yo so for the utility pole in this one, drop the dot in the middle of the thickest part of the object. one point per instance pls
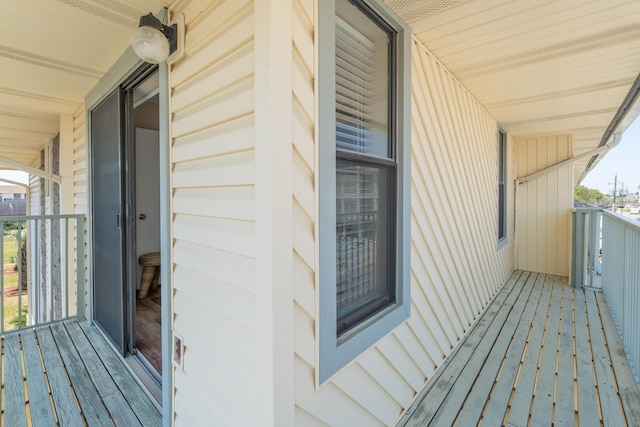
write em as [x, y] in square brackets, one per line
[615, 185]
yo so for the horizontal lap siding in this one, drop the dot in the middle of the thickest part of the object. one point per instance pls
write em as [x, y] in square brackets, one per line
[455, 266]
[80, 161]
[544, 205]
[80, 183]
[213, 202]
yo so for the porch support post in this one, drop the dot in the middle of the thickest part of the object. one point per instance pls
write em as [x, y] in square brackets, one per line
[274, 212]
[66, 164]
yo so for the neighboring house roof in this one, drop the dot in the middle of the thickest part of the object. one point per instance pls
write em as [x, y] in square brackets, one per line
[539, 67]
[12, 189]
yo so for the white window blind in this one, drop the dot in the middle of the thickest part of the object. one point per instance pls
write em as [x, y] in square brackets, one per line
[360, 90]
[362, 178]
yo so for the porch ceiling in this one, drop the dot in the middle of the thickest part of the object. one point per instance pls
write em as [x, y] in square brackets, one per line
[52, 52]
[538, 66]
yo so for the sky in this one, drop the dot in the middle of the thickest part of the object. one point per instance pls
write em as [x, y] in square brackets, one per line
[17, 176]
[623, 160]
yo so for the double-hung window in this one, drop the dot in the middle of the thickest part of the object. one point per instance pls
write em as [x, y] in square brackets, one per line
[363, 177]
[502, 188]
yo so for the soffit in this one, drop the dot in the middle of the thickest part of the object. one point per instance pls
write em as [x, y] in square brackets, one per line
[539, 67]
[52, 52]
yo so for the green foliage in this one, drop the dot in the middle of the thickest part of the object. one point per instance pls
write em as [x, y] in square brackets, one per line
[590, 195]
[13, 322]
[9, 227]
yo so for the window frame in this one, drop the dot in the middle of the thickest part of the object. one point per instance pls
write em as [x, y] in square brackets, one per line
[502, 223]
[336, 351]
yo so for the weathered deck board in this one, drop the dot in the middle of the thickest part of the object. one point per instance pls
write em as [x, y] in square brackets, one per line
[587, 411]
[555, 359]
[624, 376]
[73, 378]
[90, 403]
[565, 413]
[496, 407]
[471, 412]
[445, 378]
[116, 404]
[133, 393]
[542, 411]
[39, 399]
[15, 413]
[64, 399]
[523, 389]
[610, 404]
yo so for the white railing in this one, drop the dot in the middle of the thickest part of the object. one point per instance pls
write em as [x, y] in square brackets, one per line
[586, 266]
[43, 279]
[621, 280]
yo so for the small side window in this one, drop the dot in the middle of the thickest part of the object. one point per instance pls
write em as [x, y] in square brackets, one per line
[502, 188]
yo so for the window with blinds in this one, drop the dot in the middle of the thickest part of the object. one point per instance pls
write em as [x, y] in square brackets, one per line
[365, 165]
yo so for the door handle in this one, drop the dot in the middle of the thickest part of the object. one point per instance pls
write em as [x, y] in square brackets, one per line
[142, 216]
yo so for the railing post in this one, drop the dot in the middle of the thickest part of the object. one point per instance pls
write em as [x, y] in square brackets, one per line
[593, 245]
[80, 291]
[576, 275]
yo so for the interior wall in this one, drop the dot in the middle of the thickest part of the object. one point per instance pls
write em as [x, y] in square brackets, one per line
[543, 210]
[146, 115]
[147, 189]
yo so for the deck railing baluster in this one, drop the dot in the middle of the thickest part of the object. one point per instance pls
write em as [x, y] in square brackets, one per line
[621, 281]
[50, 255]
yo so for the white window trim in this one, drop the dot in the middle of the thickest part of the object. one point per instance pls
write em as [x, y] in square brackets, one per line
[336, 353]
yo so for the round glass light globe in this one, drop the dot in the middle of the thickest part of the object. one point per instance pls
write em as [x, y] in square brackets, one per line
[150, 45]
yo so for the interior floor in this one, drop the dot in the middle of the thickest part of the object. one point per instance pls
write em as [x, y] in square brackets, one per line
[148, 328]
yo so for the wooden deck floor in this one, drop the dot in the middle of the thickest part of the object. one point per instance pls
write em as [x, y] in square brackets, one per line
[543, 354]
[66, 375]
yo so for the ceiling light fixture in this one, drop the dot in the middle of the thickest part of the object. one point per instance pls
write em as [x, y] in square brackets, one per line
[155, 42]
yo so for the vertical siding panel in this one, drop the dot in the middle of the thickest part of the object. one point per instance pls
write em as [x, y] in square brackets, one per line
[551, 226]
[544, 204]
[212, 130]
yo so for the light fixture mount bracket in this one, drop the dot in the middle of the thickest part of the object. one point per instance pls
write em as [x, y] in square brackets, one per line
[169, 31]
[174, 34]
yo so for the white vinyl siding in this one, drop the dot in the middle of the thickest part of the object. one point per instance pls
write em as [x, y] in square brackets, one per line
[79, 161]
[80, 183]
[455, 268]
[544, 240]
[34, 205]
[304, 206]
[212, 130]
